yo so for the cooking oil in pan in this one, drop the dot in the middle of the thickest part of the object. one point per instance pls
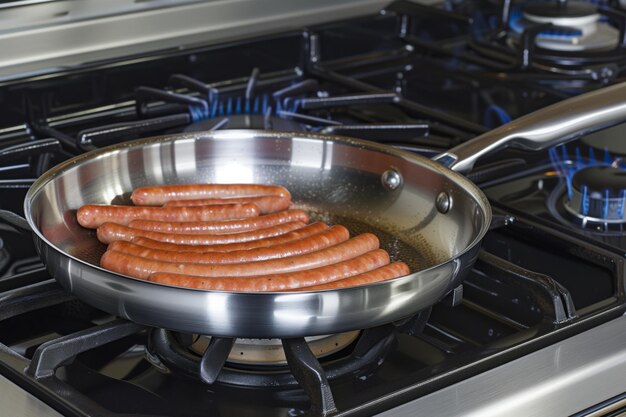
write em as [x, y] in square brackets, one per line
[418, 254]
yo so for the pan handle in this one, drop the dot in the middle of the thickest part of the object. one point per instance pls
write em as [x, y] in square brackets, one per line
[15, 220]
[550, 126]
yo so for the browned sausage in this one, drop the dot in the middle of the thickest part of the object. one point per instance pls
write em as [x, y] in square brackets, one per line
[384, 273]
[93, 215]
[142, 268]
[219, 227]
[279, 282]
[266, 204]
[158, 195]
[110, 232]
[259, 243]
[329, 237]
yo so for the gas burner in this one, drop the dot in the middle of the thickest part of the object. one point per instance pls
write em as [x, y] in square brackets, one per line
[594, 194]
[270, 351]
[350, 353]
[598, 194]
[309, 363]
[575, 26]
[570, 42]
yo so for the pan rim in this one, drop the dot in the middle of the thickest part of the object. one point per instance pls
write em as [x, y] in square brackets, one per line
[58, 170]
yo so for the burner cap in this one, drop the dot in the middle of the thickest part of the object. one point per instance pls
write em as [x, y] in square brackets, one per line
[608, 140]
[560, 9]
[598, 179]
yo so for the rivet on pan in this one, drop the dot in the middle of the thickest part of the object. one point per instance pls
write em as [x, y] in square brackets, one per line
[443, 202]
[391, 179]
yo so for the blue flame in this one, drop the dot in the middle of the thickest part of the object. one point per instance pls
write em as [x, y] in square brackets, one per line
[214, 105]
[226, 106]
[569, 166]
[198, 113]
[585, 200]
[289, 104]
[494, 112]
[561, 163]
[229, 106]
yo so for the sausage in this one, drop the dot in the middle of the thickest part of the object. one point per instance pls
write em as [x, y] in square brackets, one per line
[158, 195]
[142, 268]
[259, 243]
[266, 204]
[226, 226]
[93, 215]
[327, 238]
[110, 232]
[384, 273]
[279, 282]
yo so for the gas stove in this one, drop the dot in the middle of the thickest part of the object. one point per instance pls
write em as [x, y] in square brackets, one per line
[537, 328]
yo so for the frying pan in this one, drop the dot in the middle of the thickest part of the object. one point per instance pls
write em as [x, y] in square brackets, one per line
[424, 213]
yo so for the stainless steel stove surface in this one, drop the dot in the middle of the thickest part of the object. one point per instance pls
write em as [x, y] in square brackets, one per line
[537, 329]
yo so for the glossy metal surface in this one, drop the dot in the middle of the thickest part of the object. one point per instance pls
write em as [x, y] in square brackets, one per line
[336, 179]
[69, 33]
[559, 380]
[547, 127]
[18, 402]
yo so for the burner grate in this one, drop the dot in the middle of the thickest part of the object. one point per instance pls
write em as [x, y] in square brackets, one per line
[491, 45]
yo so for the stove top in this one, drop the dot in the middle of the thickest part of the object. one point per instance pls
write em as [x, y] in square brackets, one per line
[420, 78]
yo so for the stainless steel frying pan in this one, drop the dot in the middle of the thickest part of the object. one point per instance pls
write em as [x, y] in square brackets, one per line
[425, 213]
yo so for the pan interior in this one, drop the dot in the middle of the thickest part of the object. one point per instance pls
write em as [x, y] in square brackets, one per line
[337, 180]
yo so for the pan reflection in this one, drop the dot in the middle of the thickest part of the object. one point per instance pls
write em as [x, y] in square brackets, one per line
[312, 153]
[294, 308]
[236, 172]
